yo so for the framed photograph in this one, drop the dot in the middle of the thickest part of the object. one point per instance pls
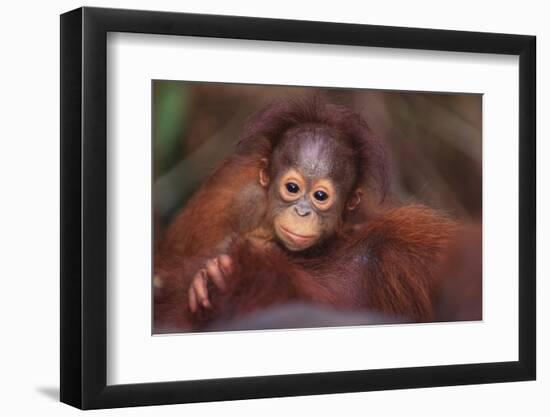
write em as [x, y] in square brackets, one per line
[258, 208]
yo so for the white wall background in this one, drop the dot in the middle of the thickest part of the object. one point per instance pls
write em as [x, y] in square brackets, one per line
[29, 226]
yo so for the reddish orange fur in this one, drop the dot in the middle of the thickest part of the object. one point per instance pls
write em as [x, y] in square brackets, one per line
[210, 216]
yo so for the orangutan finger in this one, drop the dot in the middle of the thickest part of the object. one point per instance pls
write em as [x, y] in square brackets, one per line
[192, 300]
[201, 290]
[214, 272]
[226, 264]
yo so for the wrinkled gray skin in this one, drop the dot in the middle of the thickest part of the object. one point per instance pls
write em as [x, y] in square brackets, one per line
[317, 153]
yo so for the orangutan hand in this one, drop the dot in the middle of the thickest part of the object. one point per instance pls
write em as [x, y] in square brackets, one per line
[217, 270]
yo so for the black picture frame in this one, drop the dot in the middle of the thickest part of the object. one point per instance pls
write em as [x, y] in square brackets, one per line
[84, 207]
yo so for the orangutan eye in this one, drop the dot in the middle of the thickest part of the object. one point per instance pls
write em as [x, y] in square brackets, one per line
[292, 187]
[320, 195]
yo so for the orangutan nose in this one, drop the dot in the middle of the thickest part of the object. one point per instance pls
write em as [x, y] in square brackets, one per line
[302, 212]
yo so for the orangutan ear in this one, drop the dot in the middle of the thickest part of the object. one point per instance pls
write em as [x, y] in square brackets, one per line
[355, 199]
[264, 177]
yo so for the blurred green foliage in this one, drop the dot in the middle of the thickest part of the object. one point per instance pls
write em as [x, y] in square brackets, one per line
[171, 101]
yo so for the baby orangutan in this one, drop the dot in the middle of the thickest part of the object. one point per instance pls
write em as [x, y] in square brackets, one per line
[313, 176]
[285, 220]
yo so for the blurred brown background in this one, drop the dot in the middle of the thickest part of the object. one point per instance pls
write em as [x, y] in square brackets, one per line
[433, 139]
